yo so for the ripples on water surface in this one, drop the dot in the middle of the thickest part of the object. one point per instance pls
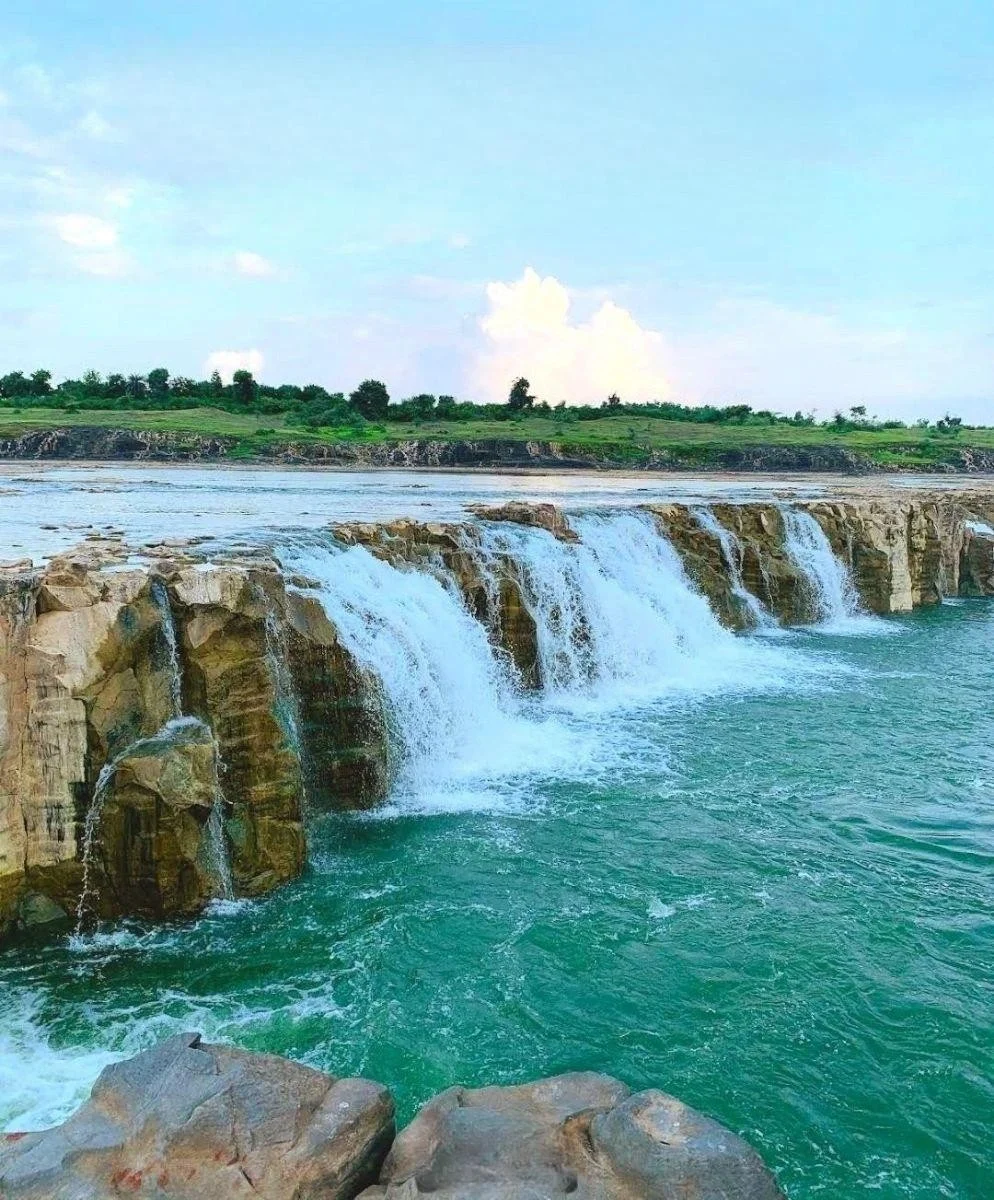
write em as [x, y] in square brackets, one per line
[774, 899]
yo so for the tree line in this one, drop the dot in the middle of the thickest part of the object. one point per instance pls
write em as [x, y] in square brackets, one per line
[314, 406]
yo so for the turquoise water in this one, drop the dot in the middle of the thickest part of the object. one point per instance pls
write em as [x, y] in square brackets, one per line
[778, 905]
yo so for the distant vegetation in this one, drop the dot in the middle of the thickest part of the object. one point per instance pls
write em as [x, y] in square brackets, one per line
[258, 418]
[313, 407]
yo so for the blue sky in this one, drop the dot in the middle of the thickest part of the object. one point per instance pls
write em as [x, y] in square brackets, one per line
[787, 204]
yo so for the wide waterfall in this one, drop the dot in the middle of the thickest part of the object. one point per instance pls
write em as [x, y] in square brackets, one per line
[619, 620]
[618, 623]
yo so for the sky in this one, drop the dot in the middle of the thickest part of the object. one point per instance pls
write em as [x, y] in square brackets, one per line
[789, 205]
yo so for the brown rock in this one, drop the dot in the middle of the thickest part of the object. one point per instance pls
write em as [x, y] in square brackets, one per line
[187, 1121]
[582, 1135]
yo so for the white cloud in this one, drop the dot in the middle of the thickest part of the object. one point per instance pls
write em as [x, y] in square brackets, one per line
[227, 362]
[84, 231]
[529, 331]
[252, 265]
[95, 127]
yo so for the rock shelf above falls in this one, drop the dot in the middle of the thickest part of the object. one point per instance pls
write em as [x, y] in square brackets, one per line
[169, 720]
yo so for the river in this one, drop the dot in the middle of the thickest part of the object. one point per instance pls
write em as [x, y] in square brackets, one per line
[756, 871]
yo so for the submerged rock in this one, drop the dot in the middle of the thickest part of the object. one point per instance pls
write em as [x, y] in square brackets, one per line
[189, 1121]
[583, 1135]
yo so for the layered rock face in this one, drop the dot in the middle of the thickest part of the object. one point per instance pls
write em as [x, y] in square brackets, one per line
[186, 1120]
[147, 758]
[166, 722]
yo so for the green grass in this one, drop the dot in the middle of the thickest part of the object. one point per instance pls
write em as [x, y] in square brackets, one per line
[620, 437]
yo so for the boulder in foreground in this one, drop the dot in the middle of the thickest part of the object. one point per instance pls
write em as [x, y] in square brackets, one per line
[188, 1121]
[582, 1135]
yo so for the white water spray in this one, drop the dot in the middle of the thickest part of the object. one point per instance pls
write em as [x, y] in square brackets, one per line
[731, 552]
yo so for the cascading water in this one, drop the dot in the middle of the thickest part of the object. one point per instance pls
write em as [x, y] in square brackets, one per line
[287, 703]
[835, 597]
[455, 722]
[618, 618]
[216, 843]
[731, 552]
[91, 827]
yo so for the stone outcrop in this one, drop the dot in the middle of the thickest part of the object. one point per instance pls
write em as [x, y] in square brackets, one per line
[186, 1121]
[583, 1135]
[151, 854]
[105, 794]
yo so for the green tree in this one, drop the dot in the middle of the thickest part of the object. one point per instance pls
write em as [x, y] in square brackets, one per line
[136, 389]
[115, 387]
[14, 385]
[614, 400]
[158, 381]
[519, 397]
[216, 385]
[245, 388]
[371, 399]
[41, 383]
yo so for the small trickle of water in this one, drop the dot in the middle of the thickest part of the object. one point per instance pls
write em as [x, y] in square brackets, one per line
[731, 551]
[287, 701]
[91, 827]
[161, 599]
[218, 856]
[833, 592]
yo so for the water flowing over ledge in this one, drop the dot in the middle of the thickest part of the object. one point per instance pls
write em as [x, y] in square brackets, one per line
[168, 714]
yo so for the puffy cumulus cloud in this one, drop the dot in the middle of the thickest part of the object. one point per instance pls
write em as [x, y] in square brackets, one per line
[529, 330]
[227, 362]
[252, 265]
[84, 231]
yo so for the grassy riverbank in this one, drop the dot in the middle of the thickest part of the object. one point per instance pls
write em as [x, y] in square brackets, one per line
[617, 437]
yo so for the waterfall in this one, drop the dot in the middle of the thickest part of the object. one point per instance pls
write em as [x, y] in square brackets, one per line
[731, 552]
[455, 723]
[618, 618]
[217, 855]
[160, 598]
[91, 827]
[836, 601]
